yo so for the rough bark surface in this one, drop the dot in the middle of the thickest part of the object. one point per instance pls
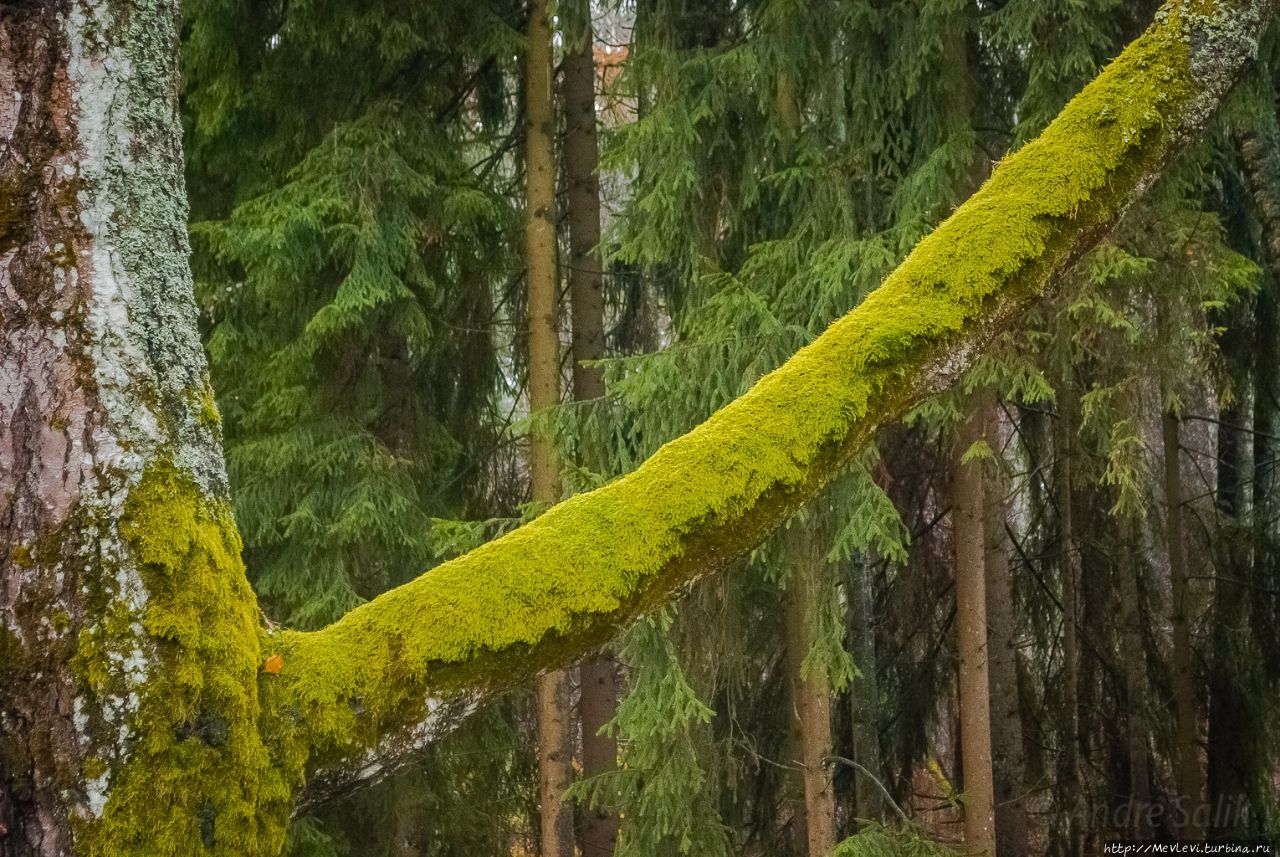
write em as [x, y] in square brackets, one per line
[126, 667]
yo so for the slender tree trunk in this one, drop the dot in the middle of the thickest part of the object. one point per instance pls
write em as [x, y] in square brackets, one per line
[555, 728]
[599, 699]
[1235, 730]
[1008, 755]
[1069, 567]
[1258, 141]
[868, 800]
[810, 690]
[1186, 755]
[1134, 665]
[971, 624]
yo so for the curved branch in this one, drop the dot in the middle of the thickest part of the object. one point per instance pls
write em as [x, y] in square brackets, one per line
[357, 693]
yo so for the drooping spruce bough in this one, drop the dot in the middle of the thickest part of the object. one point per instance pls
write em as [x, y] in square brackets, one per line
[137, 715]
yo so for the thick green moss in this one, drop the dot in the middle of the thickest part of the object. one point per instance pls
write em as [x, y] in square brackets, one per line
[199, 779]
[572, 576]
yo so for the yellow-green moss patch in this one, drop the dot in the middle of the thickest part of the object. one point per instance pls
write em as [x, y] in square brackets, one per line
[199, 778]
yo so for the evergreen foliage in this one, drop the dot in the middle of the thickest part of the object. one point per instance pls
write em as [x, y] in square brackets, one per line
[355, 233]
[356, 202]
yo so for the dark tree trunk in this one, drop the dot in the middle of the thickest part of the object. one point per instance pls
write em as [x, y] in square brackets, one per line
[1069, 796]
[145, 710]
[1186, 745]
[1008, 756]
[1133, 664]
[864, 692]
[967, 512]
[1235, 726]
[599, 699]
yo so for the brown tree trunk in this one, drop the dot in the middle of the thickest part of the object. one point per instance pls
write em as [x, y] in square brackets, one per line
[1069, 567]
[1008, 756]
[1186, 749]
[1236, 728]
[1133, 663]
[967, 511]
[868, 799]
[555, 728]
[1257, 139]
[810, 691]
[599, 698]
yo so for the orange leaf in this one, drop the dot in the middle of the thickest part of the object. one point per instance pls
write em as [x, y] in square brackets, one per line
[274, 664]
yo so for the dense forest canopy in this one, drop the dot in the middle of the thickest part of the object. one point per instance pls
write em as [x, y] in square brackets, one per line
[665, 427]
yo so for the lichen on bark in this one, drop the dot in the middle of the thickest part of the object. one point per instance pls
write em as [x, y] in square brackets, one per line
[199, 778]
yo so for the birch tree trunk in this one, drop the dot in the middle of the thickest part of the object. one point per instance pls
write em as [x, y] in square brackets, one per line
[129, 637]
[144, 708]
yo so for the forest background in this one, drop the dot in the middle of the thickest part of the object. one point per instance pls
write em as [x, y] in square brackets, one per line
[431, 310]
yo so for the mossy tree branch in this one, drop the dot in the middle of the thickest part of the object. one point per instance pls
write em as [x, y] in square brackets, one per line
[354, 699]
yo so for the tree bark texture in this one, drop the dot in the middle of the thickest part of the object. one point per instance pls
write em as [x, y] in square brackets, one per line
[129, 638]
